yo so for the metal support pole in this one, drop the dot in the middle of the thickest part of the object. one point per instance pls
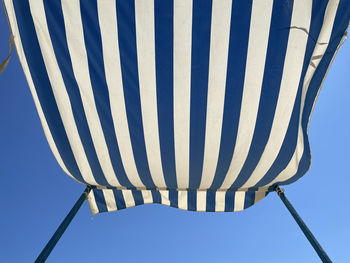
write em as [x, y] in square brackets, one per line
[319, 250]
[63, 226]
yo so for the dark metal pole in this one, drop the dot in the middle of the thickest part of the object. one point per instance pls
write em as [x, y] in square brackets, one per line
[319, 250]
[63, 226]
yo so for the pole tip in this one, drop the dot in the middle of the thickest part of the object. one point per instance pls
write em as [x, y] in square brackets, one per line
[279, 190]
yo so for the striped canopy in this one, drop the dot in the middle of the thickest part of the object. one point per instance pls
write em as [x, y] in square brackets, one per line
[202, 105]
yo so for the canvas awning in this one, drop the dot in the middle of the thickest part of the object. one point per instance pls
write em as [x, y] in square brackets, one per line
[201, 105]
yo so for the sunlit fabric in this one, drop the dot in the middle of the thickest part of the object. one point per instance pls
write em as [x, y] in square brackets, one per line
[201, 105]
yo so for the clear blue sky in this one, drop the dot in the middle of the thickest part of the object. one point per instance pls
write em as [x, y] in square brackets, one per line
[36, 195]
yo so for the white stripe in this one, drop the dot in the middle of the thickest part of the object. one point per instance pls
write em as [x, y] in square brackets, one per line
[182, 88]
[323, 38]
[110, 200]
[23, 60]
[293, 164]
[128, 198]
[220, 201]
[92, 203]
[110, 43]
[164, 194]
[59, 89]
[76, 46]
[147, 197]
[182, 200]
[201, 201]
[257, 47]
[320, 49]
[144, 18]
[219, 40]
[239, 201]
[293, 65]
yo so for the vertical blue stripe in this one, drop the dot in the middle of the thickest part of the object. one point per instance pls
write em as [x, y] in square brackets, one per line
[230, 201]
[93, 45]
[100, 201]
[128, 61]
[199, 87]
[237, 55]
[211, 197]
[192, 200]
[119, 199]
[137, 197]
[276, 51]
[290, 141]
[249, 199]
[288, 146]
[173, 197]
[163, 12]
[340, 25]
[156, 197]
[42, 85]
[57, 31]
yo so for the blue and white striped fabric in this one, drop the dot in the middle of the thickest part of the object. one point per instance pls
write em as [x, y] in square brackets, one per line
[202, 105]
